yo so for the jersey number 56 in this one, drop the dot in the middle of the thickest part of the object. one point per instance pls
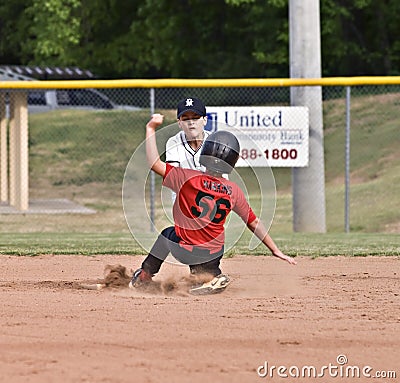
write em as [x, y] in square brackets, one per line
[216, 211]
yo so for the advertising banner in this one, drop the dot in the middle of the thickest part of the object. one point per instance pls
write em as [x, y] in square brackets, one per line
[268, 136]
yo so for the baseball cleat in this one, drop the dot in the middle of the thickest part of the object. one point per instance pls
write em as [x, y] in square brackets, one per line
[217, 285]
[140, 278]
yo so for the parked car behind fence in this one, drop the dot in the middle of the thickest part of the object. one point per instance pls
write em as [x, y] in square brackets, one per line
[40, 101]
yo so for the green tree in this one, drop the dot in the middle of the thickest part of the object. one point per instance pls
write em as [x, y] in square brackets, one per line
[107, 46]
[360, 37]
[54, 31]
[206, 38]
[14, 24]
[195, 38]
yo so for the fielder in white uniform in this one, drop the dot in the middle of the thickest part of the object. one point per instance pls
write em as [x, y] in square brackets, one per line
[180, 152]
[183, 149]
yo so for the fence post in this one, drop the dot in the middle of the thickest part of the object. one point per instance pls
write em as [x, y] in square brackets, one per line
[152, 175]
[19, 174]
[347, 164]
[3, 150]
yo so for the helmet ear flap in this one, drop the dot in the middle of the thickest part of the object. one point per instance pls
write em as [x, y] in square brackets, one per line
[220, 152]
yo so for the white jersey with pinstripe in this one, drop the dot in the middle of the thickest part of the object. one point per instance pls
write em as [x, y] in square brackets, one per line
[179, 153]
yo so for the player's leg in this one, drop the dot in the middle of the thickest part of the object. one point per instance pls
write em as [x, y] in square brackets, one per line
[211, 267]
[216, 282]
[157, 255]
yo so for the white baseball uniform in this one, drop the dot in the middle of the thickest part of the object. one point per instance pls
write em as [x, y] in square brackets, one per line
[180, 153]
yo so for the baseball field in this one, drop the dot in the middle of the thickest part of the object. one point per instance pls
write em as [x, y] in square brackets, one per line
[334, 317]
[327, 319]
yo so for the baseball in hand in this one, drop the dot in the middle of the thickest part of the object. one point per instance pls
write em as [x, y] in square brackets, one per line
[157, 118]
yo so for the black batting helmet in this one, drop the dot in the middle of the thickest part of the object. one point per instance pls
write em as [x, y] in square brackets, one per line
[220, 152]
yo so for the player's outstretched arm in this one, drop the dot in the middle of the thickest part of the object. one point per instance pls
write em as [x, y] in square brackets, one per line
[258, 228]
[152, 155]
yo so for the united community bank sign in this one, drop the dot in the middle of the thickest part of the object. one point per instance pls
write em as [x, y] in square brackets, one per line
[268, 136]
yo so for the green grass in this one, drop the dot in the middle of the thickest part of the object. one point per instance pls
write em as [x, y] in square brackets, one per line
[374, 166]
[374, 204]
[82, 156]
[67, 243]
[331, 244]
[314, 245]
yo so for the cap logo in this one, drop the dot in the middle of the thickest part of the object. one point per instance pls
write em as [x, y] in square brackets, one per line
[189, 102]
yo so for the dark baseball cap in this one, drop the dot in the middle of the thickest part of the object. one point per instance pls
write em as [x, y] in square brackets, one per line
[191, 104]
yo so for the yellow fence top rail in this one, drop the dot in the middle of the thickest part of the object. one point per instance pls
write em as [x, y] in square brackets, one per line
[202, 83]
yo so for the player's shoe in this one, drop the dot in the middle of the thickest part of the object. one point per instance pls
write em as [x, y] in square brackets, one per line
[217, 285]
[140, 278]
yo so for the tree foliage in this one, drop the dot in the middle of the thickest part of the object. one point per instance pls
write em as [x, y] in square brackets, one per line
[54, 30]
[195, 38]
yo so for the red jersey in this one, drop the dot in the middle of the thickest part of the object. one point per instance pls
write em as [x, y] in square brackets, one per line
[202, 204]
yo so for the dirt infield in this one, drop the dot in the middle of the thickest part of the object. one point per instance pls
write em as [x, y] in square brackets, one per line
[308, 318]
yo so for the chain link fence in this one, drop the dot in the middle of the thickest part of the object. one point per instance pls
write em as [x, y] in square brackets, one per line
[80, 141]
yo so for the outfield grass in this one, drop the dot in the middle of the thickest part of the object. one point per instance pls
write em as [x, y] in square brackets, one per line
[314, 245]
[82, 156]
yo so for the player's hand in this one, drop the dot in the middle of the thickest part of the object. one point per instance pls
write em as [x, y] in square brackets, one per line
[156, 121]
[285, 257]
[290, 260]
